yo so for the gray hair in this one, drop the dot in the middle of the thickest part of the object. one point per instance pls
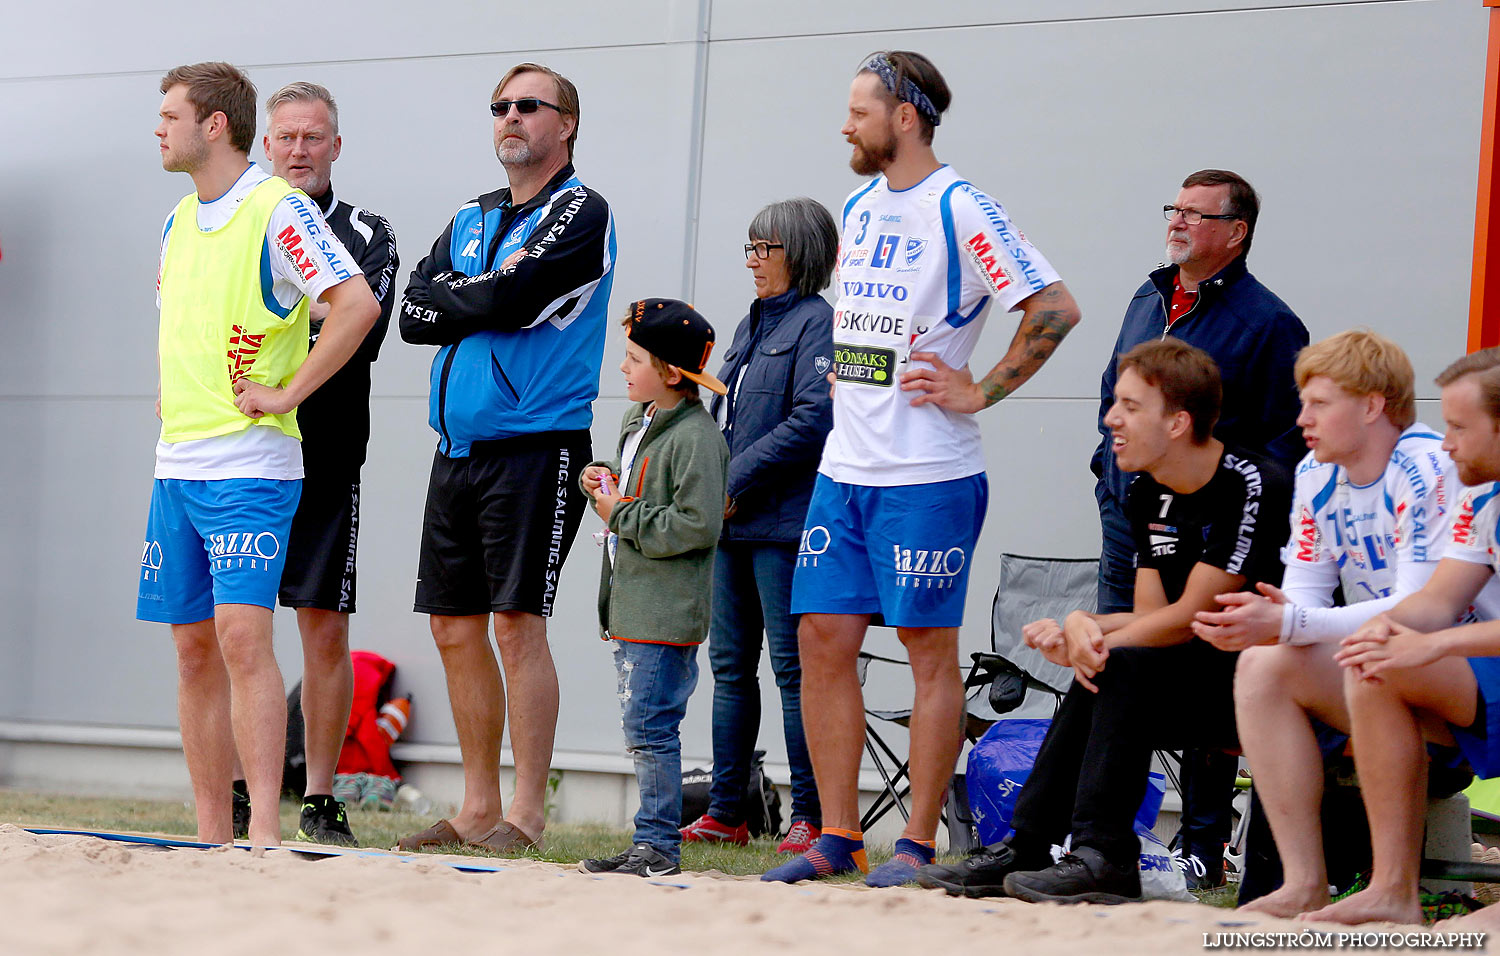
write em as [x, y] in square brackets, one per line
[302, 91]
[811, 239]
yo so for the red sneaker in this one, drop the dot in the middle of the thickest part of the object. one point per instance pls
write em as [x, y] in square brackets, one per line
[800, 838]
[706, 829]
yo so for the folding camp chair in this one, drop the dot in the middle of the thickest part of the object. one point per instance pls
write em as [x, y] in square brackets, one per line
[1030, 589]
[998, 681]
[988, 671]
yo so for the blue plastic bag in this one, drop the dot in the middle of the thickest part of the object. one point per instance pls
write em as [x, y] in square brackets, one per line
[999, 765]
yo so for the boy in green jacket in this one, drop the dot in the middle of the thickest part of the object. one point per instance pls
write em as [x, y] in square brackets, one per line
[663, 500]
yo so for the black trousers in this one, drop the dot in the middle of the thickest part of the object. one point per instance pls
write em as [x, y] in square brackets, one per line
[1090, 773]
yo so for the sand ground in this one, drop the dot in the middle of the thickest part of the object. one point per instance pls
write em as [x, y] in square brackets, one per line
[70, 894]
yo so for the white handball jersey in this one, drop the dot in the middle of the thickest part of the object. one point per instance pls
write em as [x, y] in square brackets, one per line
[918, 270]
[1471, 537]
[1359, 535]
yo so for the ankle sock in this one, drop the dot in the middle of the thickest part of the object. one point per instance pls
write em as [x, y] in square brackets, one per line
[835, 852]
[901, 868]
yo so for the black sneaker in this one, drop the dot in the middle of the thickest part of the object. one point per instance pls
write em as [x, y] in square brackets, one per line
[639, 860]
[1202, 872]
[1083, 876]
[981, 873]
[240, 794]
[323, 821]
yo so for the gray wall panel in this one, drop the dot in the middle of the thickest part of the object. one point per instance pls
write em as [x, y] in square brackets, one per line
[779, 18]
[83, 37]
[1359, 123]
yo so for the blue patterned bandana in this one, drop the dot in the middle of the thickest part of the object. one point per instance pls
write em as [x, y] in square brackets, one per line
[906, 91]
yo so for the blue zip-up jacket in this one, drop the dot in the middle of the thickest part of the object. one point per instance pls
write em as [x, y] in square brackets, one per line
[517, 298]
[1255, 338]
[780, 414]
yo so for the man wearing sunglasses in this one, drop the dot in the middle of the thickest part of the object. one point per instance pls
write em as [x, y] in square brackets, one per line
[1205, 296]
[514, 293]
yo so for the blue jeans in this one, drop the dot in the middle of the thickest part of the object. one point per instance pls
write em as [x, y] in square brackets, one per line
[655, 682]
[1116, 557]
[753, 594]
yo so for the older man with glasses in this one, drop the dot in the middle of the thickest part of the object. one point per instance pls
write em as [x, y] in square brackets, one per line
[514, 293]
[1207, 297]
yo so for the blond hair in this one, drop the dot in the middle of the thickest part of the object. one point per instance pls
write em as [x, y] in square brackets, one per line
[1362, 362]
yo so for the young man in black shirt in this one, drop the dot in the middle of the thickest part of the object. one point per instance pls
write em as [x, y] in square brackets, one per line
[1206, 519]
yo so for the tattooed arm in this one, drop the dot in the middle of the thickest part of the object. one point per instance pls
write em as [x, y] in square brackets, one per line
[1046, 317]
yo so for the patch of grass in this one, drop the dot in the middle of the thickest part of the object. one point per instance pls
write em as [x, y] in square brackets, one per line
[565, 843]
[1223, 897]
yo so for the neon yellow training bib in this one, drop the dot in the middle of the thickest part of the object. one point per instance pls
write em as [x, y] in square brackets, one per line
[216, 326]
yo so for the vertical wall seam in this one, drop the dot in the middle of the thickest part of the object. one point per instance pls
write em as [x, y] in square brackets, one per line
[693, 205]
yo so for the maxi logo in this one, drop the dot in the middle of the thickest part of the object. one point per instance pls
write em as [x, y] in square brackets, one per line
[1014, 243]
[1307, 535]
[1463, 525]
[989, 261]
[876, 290]
[815, 541]
[291, 249]
[864, 364]
[259, 548]
[319, 237]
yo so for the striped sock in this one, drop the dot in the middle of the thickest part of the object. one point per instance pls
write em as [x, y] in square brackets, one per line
[837, 851]
[901, 868]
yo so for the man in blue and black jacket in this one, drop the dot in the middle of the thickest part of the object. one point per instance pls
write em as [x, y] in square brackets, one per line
[1205, 297]
[515, 293]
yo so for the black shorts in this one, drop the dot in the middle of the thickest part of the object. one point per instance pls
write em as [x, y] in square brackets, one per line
[322, 547]
[499, 524]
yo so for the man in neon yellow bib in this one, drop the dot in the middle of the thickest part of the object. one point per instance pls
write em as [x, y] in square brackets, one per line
[240, 259]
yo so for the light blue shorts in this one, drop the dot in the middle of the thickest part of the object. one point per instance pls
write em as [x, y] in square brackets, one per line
[213, 542]
[902, 552]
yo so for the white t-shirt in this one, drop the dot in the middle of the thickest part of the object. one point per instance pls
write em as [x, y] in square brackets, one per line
[627, 462]
[1382, 540]
[918, 269]
[320, 263]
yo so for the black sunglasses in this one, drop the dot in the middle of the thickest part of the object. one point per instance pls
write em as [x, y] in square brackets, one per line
[526, 107]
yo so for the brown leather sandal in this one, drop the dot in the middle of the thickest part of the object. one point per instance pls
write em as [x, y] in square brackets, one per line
[505, 838]
[439, 834]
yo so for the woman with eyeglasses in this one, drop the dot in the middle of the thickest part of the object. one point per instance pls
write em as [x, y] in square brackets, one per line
[775, 418]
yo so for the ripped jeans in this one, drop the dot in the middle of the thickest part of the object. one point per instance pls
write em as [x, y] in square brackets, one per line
[655, 682]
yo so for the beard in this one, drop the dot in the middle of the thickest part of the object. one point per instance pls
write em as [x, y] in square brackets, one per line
[871, 158]
[1177, 255]
[515, 153]
[186, 158]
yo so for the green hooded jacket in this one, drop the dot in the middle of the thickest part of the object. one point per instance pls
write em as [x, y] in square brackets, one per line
[660, 585]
